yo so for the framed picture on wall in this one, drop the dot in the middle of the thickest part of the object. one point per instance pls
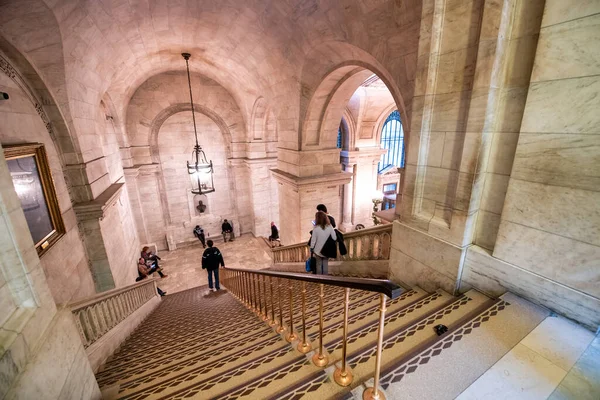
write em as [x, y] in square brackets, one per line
[32, 179]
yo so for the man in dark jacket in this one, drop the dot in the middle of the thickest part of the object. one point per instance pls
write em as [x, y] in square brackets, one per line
[211, 259]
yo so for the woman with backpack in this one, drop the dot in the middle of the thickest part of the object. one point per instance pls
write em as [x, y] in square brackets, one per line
[320, 244]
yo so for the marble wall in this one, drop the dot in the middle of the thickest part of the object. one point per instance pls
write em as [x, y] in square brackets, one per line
[160, 135]
[518, 209]
[554, 189]
[65, 264]
[42, 355]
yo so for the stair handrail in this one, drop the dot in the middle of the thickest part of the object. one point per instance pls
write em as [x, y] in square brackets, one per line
[96, 315]
[383, 286]
[254, 288]
[365, 244]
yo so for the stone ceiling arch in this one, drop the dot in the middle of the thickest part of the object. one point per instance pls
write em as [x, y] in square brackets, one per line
[169, 91]
[55, 114]
[331, 74]
[181, 107]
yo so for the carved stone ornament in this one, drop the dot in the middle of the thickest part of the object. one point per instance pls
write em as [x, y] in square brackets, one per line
[11, 72]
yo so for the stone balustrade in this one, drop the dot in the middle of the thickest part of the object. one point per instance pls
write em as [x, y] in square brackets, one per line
[365, 244]
[97, 315]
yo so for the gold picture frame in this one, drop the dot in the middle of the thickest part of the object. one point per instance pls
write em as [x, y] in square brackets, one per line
[33, 182]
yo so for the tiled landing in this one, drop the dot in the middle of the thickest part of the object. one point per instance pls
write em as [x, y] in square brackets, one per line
[558, 360]
[185, 269]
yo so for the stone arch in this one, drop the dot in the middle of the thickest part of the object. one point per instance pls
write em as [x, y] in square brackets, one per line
[262, 122]
[332, 85]
[17, 68]
[20, 32]
[348, 130]
[161, 117]
[258, 119]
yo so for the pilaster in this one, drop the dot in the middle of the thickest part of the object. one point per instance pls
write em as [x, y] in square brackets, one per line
[298, 198]
[89, 215]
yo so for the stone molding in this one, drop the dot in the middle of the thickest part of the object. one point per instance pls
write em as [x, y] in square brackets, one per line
[340, 178]
[360, 154]
[96, 208]
[12, 73]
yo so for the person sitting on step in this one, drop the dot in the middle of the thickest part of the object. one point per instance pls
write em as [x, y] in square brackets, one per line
[150, 258]
[146, 268]
[227, 229]
[144, 271]
[199, 233]
[274, 234]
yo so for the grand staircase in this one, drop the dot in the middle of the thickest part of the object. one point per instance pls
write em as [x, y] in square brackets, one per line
[231, 344]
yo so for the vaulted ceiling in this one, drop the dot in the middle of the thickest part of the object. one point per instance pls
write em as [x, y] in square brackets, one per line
[279, 49]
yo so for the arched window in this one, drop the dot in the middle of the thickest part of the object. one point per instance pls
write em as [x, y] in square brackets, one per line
[339, 137]
[392, 139]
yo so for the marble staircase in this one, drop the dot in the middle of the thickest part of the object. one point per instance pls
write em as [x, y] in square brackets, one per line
[208, 345]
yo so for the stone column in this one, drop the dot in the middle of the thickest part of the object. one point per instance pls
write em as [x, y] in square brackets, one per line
[131, 181]
[365, 182]
[347, 222]
[298, 198]
[262, 202]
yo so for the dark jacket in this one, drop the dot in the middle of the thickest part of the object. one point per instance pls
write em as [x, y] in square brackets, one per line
[274, 232]
[329, 249]
[226, 227]
[331, 220]
[340, 241]
[199, 233]
[212, 258]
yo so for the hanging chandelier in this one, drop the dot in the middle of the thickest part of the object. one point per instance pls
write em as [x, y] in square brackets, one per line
[200, 170]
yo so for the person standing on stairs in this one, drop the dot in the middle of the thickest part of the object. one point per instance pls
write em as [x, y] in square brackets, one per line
[318, 242]
[211, 259]
[321, 207]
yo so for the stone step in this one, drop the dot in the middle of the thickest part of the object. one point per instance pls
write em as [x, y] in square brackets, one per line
[464, 353]
[402, 337]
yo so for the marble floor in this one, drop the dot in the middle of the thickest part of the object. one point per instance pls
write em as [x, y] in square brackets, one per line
[558, 360]
[184, 266]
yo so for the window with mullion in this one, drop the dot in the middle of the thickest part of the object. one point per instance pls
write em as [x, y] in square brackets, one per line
[392, 139]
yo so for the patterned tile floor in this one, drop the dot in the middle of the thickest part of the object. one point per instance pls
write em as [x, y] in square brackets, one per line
[184, 265]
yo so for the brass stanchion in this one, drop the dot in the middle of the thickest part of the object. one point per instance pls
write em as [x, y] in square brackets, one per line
[246, 290]
[257, 307]
[258, 294]
[304, 347]
[342, 376]
[252, 294]
[272, 322]
[291, 336]
[265, 315]
[280, 328]
[320, 359]
[373, 393]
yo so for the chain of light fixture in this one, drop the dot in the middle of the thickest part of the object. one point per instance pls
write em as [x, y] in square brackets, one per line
[200, 170]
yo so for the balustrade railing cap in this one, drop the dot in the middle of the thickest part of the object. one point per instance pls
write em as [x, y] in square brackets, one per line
[386, 287]
[79, 304]
[347, 235]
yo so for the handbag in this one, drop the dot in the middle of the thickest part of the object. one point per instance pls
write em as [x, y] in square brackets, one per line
[311, 265]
